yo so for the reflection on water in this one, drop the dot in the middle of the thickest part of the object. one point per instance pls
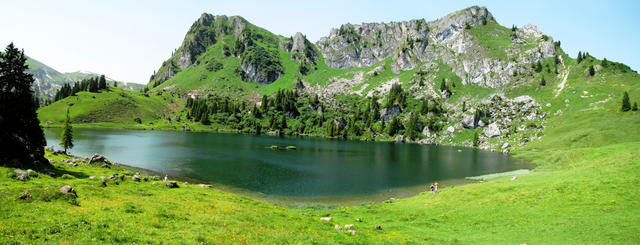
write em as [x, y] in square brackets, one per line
[318, 169]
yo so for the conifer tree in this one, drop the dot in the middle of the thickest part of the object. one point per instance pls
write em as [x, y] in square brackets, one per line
[476, 139]
[635, 106]
[625, 102]
[543, 82]
[66, 139]
[579, 59]
[394, 126]
[411, 130]
[592, 71]
[21, 138]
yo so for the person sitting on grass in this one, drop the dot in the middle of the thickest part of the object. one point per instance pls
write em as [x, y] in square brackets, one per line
[436, 187]
[431, 188]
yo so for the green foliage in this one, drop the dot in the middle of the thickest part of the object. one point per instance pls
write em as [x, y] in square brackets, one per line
[592, 71]
[543, 82]
[66, 138]
[22, 138]
[266, 61]
[484, 21]
[394, 126]
[635, 106]
[625, 106]
[397, 96]
[411, 129]
[476, 139]
[467, 26]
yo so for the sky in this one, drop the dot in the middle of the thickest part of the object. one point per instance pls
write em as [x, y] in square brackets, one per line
[127, 40]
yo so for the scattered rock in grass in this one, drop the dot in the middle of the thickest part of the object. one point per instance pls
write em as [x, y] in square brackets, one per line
[92, 177]
[113, 176]
[172, 184]
[145, 179]
[205, 186]
[59, 152]
[68, 190]
[136, 178]
[506, 145]
[103, 184]
[122, 177]
[21, 175]
[25, 196]
[514, 178]
[378, 227]
[49, 148]
[349, 226]
[154, 183]
[390, 200]
[352, 232]
[338, 228]
[30, 172]
[358, 220]
[105, 166]
[326, 218]
[72, 164]
[51, 174]
[304, 214]
[103, 177]
[97, 158]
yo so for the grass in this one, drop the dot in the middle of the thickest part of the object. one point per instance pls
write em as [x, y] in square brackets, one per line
[114, 106]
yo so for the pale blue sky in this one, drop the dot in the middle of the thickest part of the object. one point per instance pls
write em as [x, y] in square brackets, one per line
[128, 40]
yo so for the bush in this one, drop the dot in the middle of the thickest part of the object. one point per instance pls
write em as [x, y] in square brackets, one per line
[67, 176]
[138, 120]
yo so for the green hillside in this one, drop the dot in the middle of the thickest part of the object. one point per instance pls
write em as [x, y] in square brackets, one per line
[113, 107]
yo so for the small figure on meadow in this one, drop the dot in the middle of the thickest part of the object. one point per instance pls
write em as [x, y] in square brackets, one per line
[432, 188]
[435, 185]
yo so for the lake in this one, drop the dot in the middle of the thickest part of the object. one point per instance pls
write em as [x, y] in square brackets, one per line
[319, 170]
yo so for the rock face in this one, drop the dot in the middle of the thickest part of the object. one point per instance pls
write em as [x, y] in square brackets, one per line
[204, 32]
[446, 40]
[389, 113]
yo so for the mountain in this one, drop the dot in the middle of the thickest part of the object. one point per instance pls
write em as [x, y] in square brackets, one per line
[48, 80]
[463, 79]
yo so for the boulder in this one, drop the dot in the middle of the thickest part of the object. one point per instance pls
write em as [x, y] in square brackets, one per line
[92, 177]
[121, 177]
[506, 145]
[338, 228]
[205, 186]
[172, 184]
[326, 219]
[113, 176]
[68, 190]
[136, 178]
[492, 130]
[352, 232]
[349, 226]
[451, 129]
[400, 139]
[97, 158]
[105, 166]
[25, 196]
[358, 220]
[21, 175]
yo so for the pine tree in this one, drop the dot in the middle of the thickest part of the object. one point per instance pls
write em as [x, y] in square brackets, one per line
[411, 130]
[579, 59]
[484, 21]
[102, 82]
[393, 127]
[476, 139]
[543, 82]
[21, 138]
[592, 71]
[635, 106]
[66, 139]
[625, 102]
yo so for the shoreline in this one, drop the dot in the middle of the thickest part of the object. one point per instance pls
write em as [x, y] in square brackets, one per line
[392, 194]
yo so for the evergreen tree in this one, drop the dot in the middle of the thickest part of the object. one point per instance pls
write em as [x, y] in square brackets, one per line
[424, 108]
[102, 82]
[66, 139]
[394, 126]
[411, 130]
[21, 138]
[592, 71]
[543, 82]
[476, 139]
[579, 59]
[283, 122]
[484, 21]
[635, 106]
[625, 102]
